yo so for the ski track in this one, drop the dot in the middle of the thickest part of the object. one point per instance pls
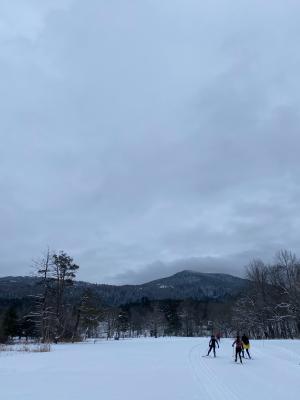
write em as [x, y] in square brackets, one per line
[273, 373]
[213, 386]
[192, 363]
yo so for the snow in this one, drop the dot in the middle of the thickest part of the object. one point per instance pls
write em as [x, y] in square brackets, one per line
[144, 369]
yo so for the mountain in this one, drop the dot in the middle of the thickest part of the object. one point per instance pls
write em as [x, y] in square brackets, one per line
[196, 285]
[183, 285]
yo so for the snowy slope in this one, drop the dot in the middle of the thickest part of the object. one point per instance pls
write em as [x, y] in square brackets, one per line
[161, 369]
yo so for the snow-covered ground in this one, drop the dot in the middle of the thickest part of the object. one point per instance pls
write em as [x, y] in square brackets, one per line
[148, 369]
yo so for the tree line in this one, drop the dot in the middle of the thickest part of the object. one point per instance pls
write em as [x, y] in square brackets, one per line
[169, 317]
[269, 307]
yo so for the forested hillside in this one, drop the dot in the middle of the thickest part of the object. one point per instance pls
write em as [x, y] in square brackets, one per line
[183, 285]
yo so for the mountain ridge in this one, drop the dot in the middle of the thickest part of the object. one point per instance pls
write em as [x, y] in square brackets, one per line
[182, 285]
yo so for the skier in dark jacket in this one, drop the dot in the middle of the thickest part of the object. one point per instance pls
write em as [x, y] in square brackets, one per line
[246, 345]
[212, 345]
[238, 348]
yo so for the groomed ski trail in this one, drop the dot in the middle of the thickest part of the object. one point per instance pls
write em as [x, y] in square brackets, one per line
[273, 373]
[213, 387]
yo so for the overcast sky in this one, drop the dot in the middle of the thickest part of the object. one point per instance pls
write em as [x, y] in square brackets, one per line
[148, 136]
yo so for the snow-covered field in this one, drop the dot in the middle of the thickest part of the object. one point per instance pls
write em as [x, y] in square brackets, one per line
[148, 369]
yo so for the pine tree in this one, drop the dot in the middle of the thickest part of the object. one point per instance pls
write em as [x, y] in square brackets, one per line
[10, 323]
[63, 274]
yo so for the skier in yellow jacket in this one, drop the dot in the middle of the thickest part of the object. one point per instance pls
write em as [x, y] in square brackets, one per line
[246, 345]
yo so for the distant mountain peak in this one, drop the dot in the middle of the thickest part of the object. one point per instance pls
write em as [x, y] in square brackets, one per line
[187, 272]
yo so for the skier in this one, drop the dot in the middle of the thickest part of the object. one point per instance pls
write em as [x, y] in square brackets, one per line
[212, 345]
[246, 345]
[238, 348]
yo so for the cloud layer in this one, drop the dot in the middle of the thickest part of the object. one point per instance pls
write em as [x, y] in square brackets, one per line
[140, 131]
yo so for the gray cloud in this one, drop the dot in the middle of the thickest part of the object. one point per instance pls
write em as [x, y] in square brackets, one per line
[140, 131]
